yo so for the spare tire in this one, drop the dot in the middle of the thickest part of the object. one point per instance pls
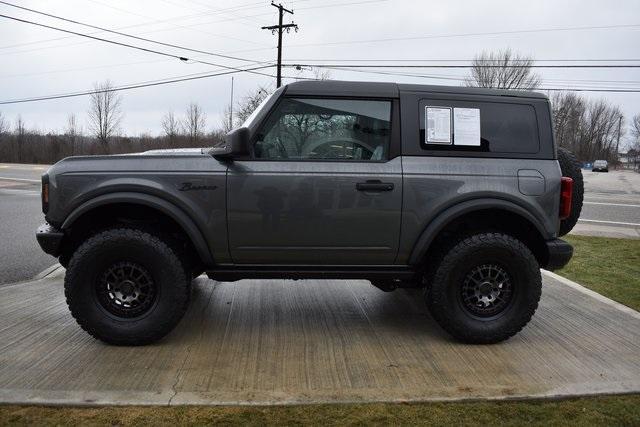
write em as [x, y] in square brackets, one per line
[570, 167]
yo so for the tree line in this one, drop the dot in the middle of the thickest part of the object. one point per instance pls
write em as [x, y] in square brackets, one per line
[19, 144]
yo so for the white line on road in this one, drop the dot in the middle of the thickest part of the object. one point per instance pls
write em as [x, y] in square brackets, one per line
[8, 178]
[19, 192]
[633, 224]
[612, 204]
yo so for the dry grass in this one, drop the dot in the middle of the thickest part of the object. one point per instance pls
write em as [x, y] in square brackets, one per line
[604, 410]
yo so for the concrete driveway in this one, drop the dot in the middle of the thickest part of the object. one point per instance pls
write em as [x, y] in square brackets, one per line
[277, 341]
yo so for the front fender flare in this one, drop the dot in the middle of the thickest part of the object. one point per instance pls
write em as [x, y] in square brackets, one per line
[445, 217]
[167, 208]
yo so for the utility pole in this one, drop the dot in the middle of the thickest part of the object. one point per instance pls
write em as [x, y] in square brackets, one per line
[231, 107]
[279, 29]
[618, 141]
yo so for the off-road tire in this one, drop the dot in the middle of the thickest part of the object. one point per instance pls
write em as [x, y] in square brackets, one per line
[152, 254]
[570, 167]
[443, 295]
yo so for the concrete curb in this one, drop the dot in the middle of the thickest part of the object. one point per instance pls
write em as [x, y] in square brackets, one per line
[47, 272]
[51, 273]
[167, 397]
[593, 294]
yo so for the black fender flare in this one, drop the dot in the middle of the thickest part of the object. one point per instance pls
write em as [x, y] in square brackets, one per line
[164, 206]
[451, 213]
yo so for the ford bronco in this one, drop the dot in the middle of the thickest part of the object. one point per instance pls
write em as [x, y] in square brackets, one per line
[459, 191]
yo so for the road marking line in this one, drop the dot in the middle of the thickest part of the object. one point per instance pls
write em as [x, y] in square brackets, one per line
[19, 179]
[18, 192]
[587, 291]
[612, 204]
[609, 222]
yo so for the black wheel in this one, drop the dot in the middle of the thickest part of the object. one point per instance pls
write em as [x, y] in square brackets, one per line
[485, 289]
[570, 166]
[126, 287]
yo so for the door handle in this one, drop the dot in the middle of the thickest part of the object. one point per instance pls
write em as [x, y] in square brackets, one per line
[374, 185]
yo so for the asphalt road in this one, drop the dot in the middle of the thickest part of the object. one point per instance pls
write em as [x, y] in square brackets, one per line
[611, 204]
[20, 215]
[612, 208]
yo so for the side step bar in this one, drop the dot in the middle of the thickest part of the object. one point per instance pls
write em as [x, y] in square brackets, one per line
[227, 273]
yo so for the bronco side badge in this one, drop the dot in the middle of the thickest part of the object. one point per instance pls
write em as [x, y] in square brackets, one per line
[188, 186]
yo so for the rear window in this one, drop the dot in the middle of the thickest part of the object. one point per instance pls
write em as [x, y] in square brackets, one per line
[504, 127]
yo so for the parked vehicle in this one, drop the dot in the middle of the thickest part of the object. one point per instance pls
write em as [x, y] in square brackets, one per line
[600, 166]
[459, 191]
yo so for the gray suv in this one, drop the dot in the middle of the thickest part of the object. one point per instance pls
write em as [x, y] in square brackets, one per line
[458, 191]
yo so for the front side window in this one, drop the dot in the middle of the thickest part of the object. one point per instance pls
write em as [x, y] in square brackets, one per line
[326, 129]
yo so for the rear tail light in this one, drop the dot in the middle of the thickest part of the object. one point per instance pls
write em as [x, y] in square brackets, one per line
[566, 194]
[45, 193]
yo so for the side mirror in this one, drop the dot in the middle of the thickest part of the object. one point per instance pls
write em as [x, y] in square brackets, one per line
[236, 143]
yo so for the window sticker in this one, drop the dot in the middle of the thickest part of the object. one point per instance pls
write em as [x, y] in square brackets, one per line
[466, 126]
[438, 125]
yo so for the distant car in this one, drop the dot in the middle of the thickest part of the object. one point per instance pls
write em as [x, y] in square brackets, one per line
[600, 166]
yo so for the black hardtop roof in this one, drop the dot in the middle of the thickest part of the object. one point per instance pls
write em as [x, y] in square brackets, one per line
[391, 90]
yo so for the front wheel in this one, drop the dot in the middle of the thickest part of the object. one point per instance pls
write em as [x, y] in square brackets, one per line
[126, 287]
[485, 289]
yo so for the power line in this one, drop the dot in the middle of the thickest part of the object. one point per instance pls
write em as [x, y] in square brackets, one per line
[181, 58]
[153, 22]
[95, 27]
[462, 66]
[132, 86]
[491, 33]
[96, 38]
[564, 89]
[399, 60]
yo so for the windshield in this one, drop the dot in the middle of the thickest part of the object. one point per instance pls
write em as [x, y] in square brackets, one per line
[249, 121]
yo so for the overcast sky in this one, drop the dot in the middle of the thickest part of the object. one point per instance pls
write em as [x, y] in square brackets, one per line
[39, 61]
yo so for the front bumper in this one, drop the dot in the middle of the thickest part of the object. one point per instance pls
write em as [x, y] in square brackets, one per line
[559, 254]
[49, 239]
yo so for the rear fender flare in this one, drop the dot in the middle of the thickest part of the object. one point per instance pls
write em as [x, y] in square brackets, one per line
[450, 214]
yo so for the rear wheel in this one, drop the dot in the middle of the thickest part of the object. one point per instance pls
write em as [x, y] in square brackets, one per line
[126, 287]
[485, 289]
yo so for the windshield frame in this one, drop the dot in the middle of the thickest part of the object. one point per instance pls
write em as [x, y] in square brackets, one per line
[249, 121]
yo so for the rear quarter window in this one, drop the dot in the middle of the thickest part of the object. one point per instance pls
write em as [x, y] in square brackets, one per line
[504, 127]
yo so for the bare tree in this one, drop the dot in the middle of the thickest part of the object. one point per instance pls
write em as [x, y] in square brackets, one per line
[503, 70]
[634, 152]
[635, 127]
[590, 129]
[320, 74]
[20, 137]
[249, 103]
[4, 125]
[171, 126]
[194, 122]
[243, 108]
[105, 111]
[72, 131]
[227, 120]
